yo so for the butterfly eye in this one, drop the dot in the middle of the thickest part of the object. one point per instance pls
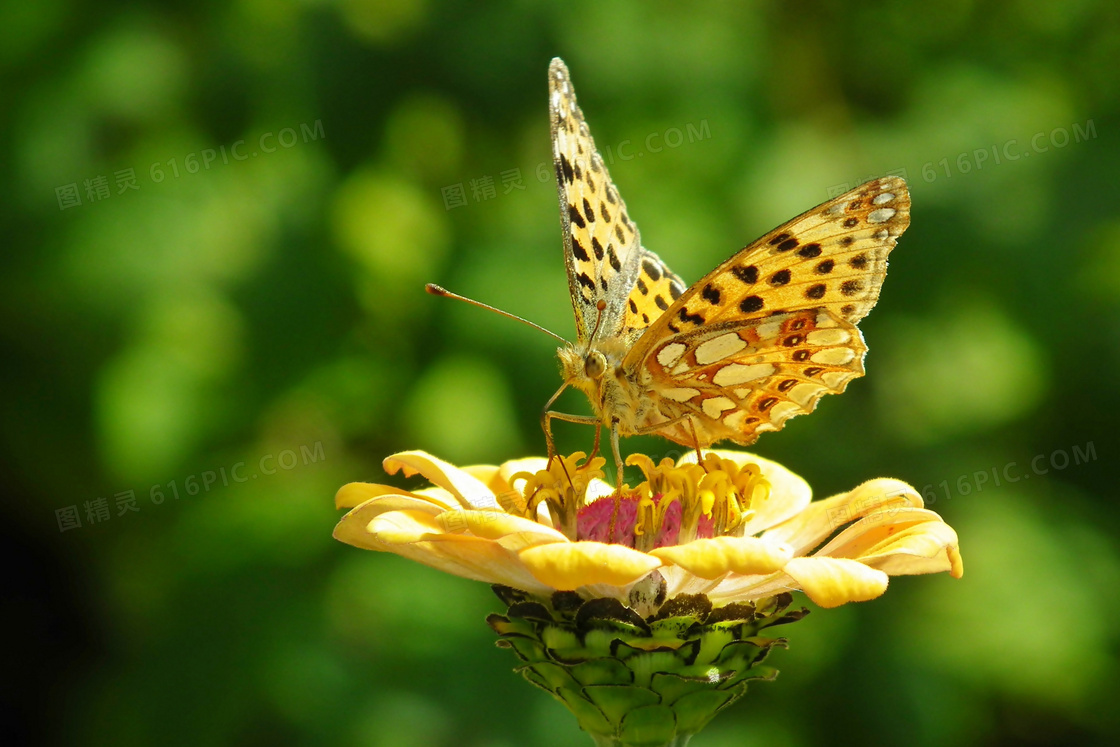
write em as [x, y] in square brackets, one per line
[595, 365]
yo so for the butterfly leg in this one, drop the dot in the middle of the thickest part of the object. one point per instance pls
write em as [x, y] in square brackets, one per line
[595, 448]
[696, 442]
[546, 423]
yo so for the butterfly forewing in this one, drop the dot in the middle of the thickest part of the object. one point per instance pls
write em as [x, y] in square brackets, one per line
[602, 246]
[821, 272]
[655, 289]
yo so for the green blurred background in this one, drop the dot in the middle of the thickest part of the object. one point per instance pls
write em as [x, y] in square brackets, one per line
[217, 224]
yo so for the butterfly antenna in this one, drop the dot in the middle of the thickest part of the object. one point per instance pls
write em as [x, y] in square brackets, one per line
[436, 290]
[600, 307]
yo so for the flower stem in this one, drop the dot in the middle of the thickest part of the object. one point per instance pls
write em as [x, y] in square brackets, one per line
[605, 741]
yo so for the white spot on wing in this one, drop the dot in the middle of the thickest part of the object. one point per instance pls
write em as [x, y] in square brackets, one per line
[735, 419]
[719, 348]
[833, 356]
[805, 393]
[737, 373]
[882, 215]
[768, 330]
[834, 336]
[680, 394]
[883, 199]
[783, 411]
[715, 405]
[836, 379]
[671, 353]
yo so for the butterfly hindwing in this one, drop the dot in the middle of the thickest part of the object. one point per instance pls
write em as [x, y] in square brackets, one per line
[602, 245]
[739, 379]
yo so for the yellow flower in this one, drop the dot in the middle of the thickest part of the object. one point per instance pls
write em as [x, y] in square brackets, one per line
[738, 528]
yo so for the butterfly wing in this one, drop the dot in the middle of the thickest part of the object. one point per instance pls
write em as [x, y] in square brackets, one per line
[655, 289]
[763, 336]
[602, 247]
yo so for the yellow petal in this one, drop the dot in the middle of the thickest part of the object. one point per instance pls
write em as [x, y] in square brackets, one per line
[355, 493]
[470, 491]
[495, 525]
[403, 527]
[928, 547]
[789, 493]
[822, 518]
[532, 465]
[831, 582]
[712, 558]
[569, 565]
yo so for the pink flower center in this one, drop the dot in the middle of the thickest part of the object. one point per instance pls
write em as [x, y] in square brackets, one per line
[594, 522]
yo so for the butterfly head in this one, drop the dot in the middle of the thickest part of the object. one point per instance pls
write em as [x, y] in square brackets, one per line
[582, 369]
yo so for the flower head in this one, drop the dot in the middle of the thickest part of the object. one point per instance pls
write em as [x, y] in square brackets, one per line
[736, 528]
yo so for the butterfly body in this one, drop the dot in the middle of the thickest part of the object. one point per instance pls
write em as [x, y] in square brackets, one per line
[755, 342]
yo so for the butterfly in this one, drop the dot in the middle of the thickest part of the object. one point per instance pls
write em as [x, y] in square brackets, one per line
[760, 339]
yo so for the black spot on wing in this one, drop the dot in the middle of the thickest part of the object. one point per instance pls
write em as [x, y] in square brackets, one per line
[781, 277]
[613, 258]
[750, 304]
[575, 217]
[579, 251]
[747, 275]
[696, 319]
[566, 169]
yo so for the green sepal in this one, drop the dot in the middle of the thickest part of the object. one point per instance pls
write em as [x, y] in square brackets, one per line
[641, 681]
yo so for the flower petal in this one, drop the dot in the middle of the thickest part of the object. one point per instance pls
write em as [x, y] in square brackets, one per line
[712, 558]
[355, 493]
[496, 525]
[925, 547]
[566, 566]
[789, 493]
[831, 582]
[470, 491]
[821, 518]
